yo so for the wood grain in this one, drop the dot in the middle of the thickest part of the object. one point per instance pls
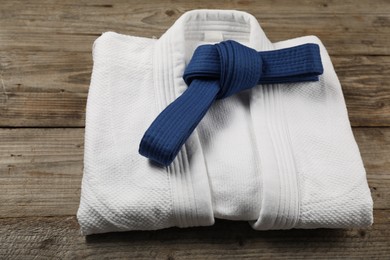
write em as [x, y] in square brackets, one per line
[45, 68]
[362, 34]
[58, 237]
[45, 50]
[50, 89]
[345, 27]
[41, 169]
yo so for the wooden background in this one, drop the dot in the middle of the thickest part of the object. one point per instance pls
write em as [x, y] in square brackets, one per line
[45, 67]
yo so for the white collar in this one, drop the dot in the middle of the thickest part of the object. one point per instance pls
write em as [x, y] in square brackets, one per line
[175, 47]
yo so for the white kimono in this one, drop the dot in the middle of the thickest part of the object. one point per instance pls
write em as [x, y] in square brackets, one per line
[279, 156]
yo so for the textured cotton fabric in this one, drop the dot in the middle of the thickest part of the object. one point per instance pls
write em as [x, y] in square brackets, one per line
[280, 156]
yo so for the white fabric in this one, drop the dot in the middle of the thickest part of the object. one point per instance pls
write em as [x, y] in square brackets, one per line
[279, 156]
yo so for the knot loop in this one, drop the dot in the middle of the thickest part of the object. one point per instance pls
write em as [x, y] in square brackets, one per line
[218, 71]
[236, 66]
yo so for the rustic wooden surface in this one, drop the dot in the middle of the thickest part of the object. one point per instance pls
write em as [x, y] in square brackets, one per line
[45, 66]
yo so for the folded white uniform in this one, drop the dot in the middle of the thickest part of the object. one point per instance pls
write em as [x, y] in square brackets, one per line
[280, 156]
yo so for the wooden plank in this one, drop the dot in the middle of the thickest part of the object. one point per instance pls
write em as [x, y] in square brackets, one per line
[21, 109]
[45, 66]
[45, 50]
[45, 72]
[41, 169]
[58, 237]
[266, 6]
[49, 89]
[72, 27]
[365, 83]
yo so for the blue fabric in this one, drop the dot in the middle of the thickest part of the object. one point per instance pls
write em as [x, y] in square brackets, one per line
[216, 72]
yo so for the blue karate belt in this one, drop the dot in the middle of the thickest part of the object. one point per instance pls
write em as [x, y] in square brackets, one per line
[219, 71]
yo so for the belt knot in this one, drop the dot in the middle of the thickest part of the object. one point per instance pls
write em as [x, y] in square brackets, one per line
[236, 66]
